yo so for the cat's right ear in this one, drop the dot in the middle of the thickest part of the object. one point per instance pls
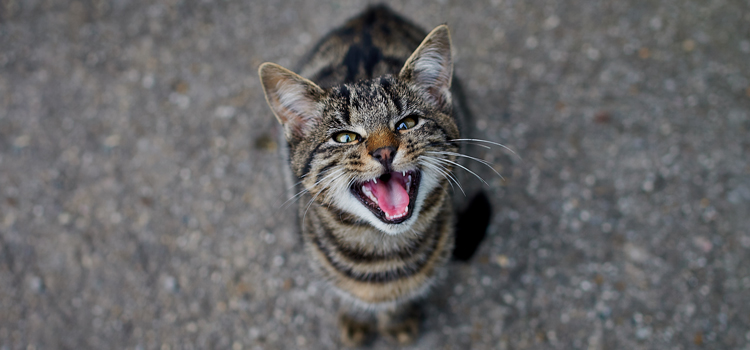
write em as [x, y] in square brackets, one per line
[293, 99]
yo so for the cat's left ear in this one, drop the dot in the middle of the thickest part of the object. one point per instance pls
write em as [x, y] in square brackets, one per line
[430, 66]
[293, 99]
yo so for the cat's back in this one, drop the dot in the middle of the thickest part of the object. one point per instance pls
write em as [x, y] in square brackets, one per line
[376, 42]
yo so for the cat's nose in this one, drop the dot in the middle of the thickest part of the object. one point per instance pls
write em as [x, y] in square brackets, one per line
[384, 155]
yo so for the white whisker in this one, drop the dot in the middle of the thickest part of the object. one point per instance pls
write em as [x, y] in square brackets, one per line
[293, 198]
[428, 162]
[469, 157]
[302, 178]
[463, 167]
[489, 142]
[439, 171]
[449, 172]
[339, 173]
[300, 193]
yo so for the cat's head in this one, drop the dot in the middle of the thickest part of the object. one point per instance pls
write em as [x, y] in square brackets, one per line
[376, 148]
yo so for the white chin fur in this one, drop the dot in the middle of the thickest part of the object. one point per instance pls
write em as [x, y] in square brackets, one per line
[347, 202]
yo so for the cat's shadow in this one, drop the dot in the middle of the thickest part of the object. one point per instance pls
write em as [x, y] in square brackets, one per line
[471, 227]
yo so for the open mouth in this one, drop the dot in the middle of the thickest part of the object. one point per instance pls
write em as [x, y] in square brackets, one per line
[390, 196]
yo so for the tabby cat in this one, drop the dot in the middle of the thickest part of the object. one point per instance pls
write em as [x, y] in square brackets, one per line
[371, 134]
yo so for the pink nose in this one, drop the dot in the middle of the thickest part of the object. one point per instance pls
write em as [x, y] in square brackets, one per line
[384, 155]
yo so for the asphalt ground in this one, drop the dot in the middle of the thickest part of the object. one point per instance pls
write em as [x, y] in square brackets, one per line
[141, 190]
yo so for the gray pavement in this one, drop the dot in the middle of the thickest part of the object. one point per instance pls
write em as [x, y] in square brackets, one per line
[140, 183]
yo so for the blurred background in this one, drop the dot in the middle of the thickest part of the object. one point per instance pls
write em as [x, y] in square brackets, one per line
[141, 188]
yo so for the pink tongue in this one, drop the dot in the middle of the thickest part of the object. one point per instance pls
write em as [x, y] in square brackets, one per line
[391, 195]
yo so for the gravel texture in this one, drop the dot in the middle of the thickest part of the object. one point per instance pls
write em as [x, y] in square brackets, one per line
[141, 187]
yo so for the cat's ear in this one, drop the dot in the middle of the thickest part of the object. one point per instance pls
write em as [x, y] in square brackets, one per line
[430, 66]
[293, 99]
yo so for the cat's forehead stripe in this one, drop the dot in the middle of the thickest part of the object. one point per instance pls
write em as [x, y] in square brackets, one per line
[361, 101]
[346, 98]
[388, 90]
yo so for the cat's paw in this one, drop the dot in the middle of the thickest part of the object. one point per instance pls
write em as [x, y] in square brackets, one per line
[403, 333]
[354, 332]
[401, 326]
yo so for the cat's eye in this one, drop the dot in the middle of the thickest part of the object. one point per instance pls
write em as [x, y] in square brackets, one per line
[345, 137]
[406, 123]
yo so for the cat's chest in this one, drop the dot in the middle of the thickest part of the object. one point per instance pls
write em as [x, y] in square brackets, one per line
[366, 265]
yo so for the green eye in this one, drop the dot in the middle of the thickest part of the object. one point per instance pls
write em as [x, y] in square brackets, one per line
[345, 137]
[406, 123]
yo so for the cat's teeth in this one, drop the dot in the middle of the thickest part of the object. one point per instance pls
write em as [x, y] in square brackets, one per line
[397, 216]
[408, 184]
[375, 180]
[368, 194]
[403, 173]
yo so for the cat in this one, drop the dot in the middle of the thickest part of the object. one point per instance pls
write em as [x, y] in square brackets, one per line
[373, 139]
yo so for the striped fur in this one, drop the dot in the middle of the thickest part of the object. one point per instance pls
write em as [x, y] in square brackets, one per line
[364, 78]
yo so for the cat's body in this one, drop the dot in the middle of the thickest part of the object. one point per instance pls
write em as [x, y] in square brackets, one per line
[375, 269]
[370, 142]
